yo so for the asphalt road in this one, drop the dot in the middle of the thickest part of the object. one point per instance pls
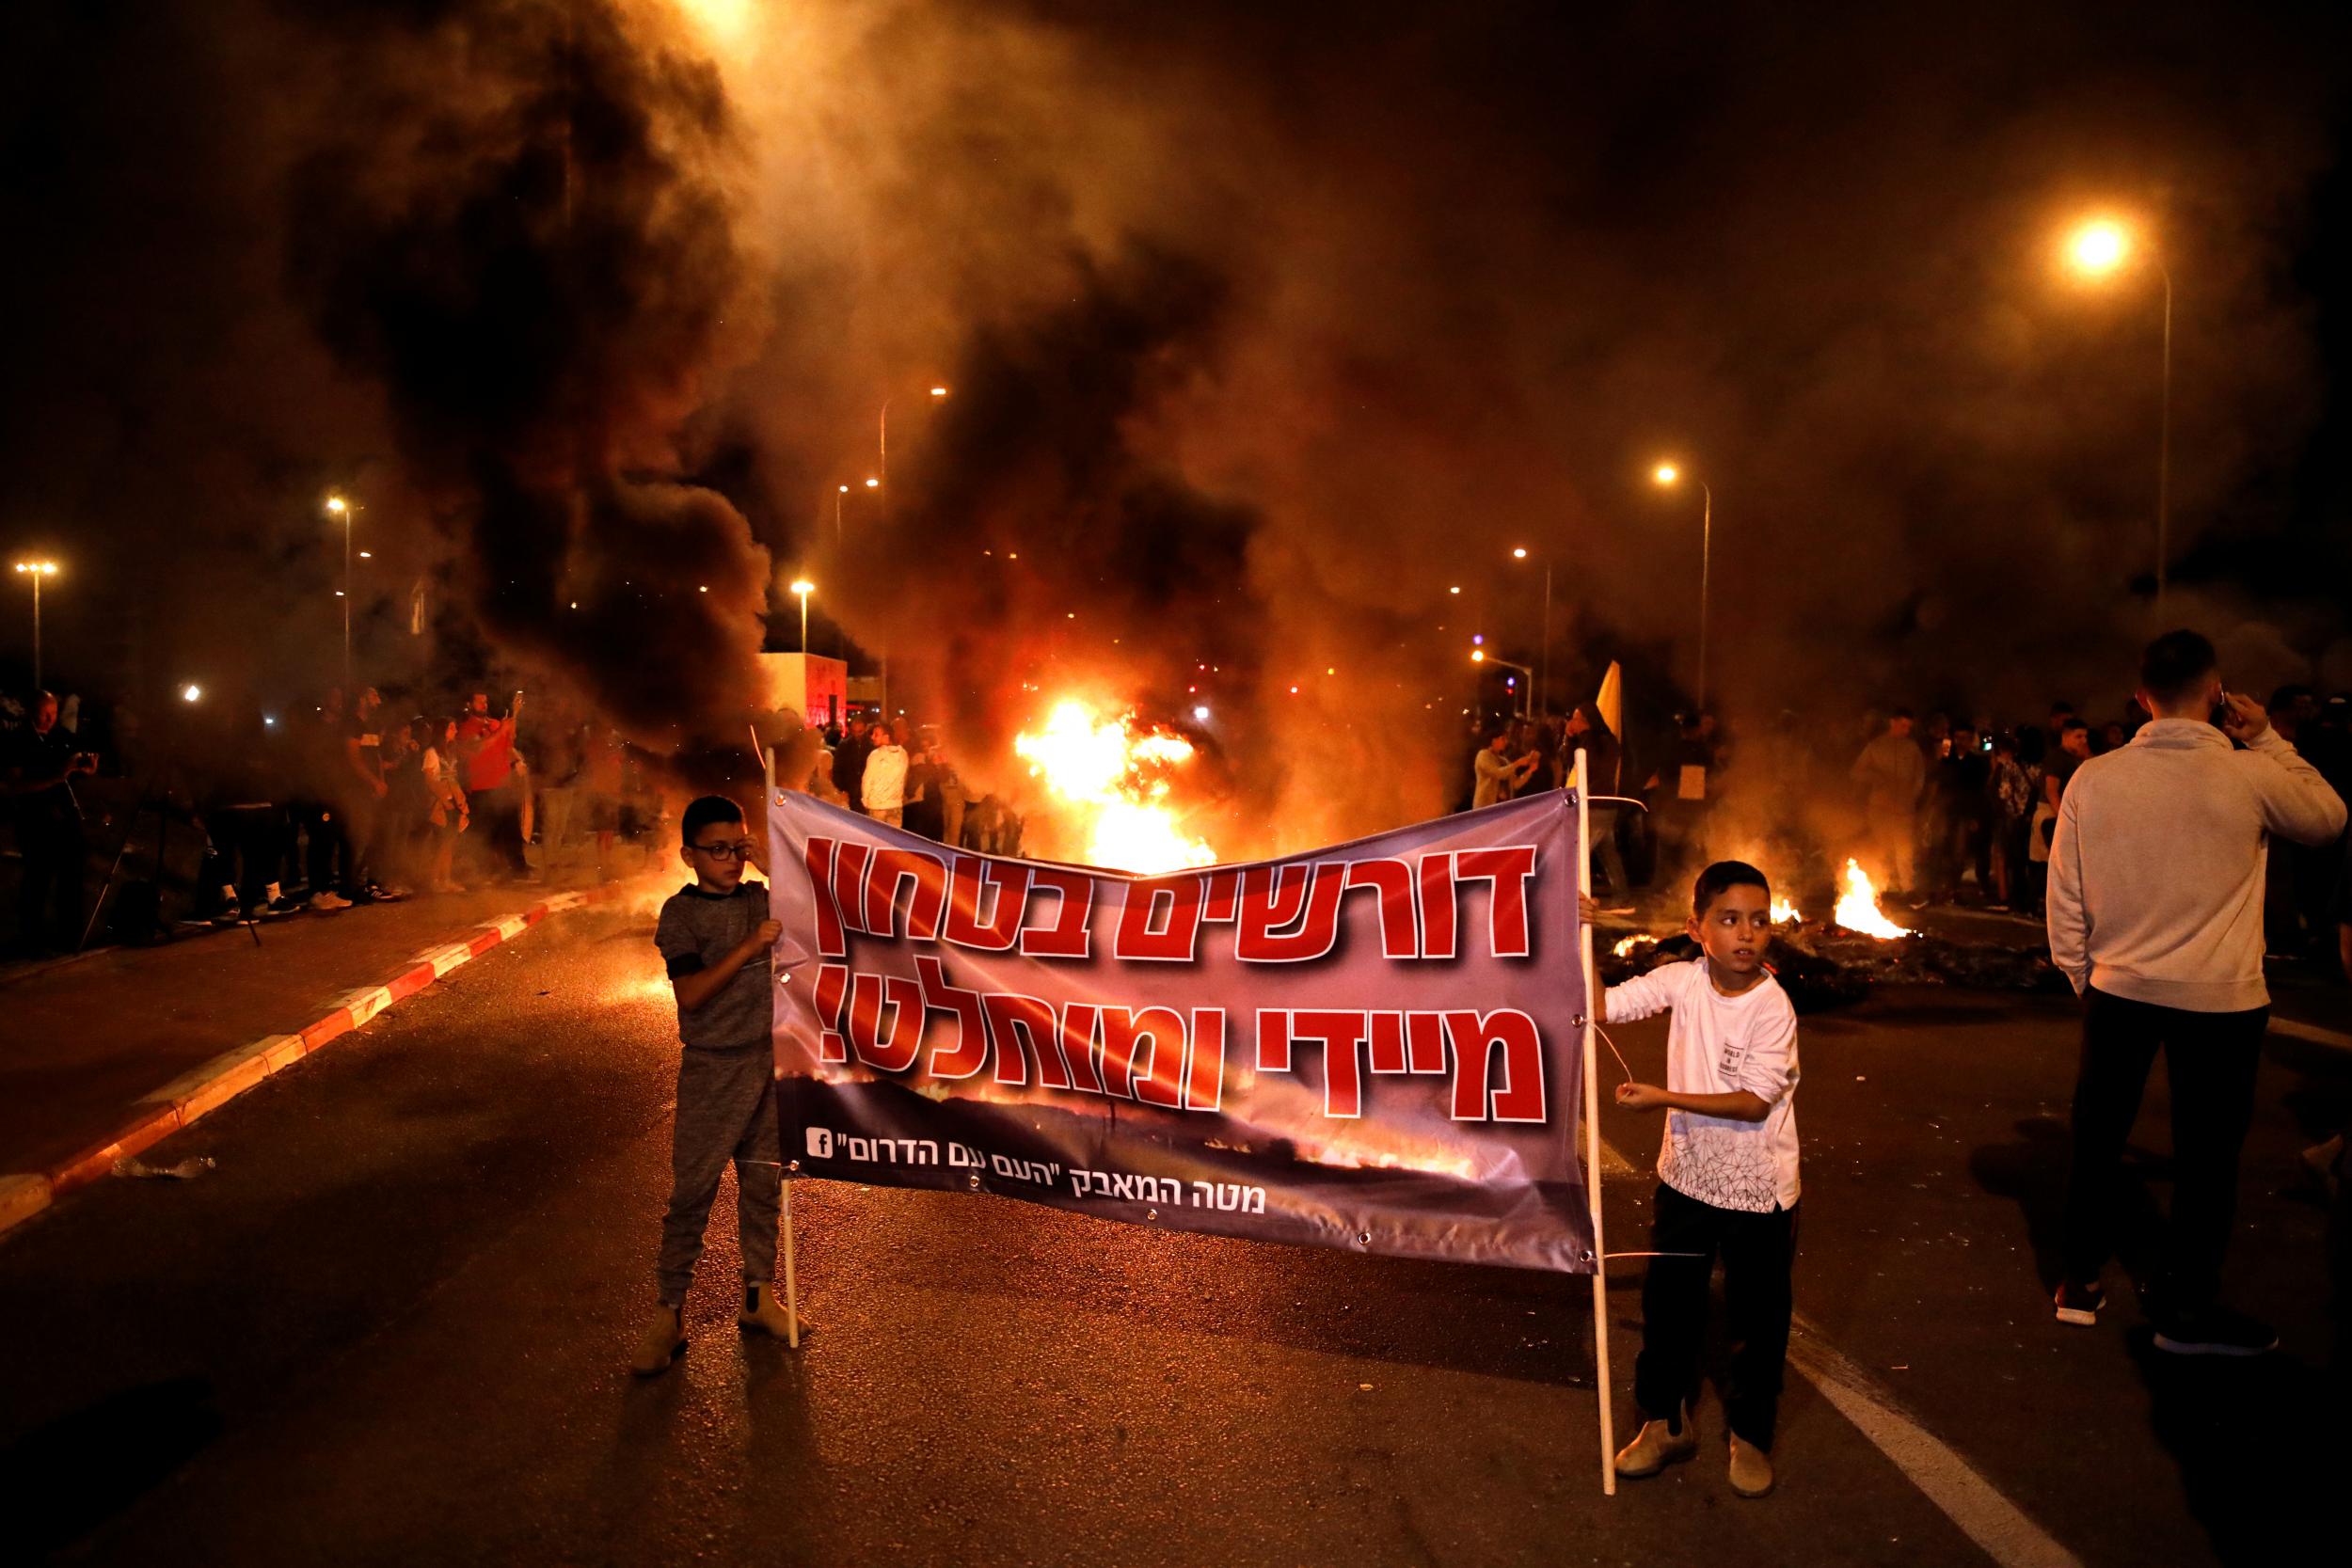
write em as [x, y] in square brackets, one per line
[391, 1327]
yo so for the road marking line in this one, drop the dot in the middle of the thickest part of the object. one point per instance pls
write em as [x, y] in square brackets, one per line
[23, 1195]
[208, 1087]
[1998, 1526]
[1956, 1487]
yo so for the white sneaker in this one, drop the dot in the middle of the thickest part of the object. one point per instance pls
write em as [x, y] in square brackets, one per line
[329, 902]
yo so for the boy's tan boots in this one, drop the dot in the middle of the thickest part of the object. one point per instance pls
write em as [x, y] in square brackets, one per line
[764, 1311]
[658, 1345]
[1751, 1468]
[1654, 1447]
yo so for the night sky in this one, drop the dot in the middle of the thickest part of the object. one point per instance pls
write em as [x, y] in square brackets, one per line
[1264, 325]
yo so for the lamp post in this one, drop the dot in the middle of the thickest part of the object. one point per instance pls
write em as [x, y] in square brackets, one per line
[37, 570]
[1667, 475]
[840, 495]
[882, 433]
[342, 510]
[802, 588]
[1543, 693]
[1480, 656]
[2095, 251]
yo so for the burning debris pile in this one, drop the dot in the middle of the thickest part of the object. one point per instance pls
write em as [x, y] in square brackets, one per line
[1110, 780]
[1834, 962]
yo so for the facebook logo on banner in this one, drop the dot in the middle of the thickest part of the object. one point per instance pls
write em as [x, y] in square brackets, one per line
[820, 1143]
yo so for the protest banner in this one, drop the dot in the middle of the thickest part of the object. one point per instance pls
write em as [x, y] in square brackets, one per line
[1379, 1046]
[1375, 1046]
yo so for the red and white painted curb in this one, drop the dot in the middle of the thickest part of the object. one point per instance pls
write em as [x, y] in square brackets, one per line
[198, 1093]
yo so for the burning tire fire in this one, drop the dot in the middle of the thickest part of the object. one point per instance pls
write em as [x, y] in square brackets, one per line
[1110, 779]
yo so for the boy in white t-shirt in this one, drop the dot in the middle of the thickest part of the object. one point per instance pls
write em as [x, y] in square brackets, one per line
[1726, 1173]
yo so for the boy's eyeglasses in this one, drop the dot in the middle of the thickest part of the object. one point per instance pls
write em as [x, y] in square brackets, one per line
[740, 850]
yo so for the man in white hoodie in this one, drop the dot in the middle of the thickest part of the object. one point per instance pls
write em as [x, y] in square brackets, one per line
[2156, 915]
[884, 786]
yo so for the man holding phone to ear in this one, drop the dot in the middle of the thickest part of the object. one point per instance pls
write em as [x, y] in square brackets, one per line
[2156, 915]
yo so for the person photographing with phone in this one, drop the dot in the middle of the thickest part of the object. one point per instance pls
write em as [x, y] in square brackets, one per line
[485, 754]
[2155, 915]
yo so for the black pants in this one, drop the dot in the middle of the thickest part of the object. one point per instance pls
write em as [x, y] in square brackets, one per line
[49, 909]
[323, 837]
[248, 846]
[1759, 1253]
[360, 810]
[497, 815]
[2211, 1059]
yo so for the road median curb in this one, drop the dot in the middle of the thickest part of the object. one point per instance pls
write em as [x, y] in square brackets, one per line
[202, 1090]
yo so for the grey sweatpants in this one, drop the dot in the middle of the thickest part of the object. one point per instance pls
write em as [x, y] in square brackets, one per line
[726, 1109]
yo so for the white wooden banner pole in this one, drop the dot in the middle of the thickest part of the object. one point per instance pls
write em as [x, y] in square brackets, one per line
[791, 1285]
[1603, 1387]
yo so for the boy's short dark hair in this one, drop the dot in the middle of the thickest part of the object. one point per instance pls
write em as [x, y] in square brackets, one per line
[1900, 713]
[2072, 725]
[1722, 876]
[703, 812]
[2175, 665]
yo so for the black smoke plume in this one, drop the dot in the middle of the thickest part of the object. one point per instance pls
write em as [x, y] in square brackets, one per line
[515, 220]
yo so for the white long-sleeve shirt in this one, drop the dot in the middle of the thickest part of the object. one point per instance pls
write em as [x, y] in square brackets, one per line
[884, 785]
[1719, 1044]
[2156, 872]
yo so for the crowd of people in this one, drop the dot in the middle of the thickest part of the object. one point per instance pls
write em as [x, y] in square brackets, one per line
[900, 774]
[1936, 808]
[359, 802]
[351, 802]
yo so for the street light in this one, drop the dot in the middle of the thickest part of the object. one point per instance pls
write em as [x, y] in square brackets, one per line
[2094, 252]
[803, 588]
[1666, 476]
[1480, 656]
[1543, 701]
[37, 570]
[882, 430]
[342, 510]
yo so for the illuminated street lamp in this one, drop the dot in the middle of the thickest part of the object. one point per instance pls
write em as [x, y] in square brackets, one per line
[802, 588]
[1480, 656]
[1666, 476]
[2094, 252]
[37, 570]
[341, 510]
[881, 431]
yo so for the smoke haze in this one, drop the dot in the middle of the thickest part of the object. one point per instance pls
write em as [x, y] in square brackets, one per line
[1264, 327]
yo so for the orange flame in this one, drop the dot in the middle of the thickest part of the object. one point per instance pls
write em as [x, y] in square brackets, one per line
[1115, 781]
[1858, 905]
[1785, 912]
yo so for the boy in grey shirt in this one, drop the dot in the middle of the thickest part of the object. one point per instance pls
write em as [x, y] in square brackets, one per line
[717, 940]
